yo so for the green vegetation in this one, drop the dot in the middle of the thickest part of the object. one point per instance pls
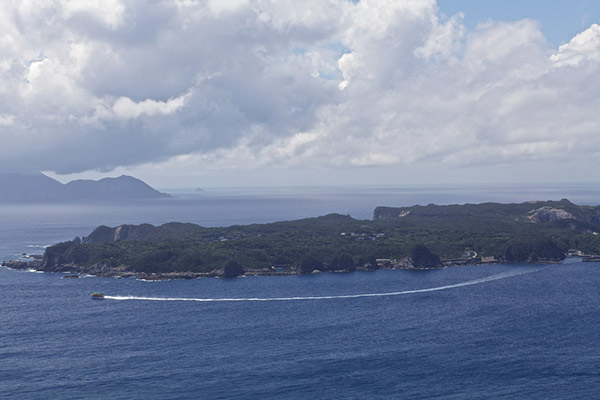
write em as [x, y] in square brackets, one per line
[233, 269]
[423, 234]
[308, 264]
[422, 257]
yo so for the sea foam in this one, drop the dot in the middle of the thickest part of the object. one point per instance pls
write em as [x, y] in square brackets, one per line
[490, 278]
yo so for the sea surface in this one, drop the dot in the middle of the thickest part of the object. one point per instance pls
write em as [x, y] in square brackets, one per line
[495, 331]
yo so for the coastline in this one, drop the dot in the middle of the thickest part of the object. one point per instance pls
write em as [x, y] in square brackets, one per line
[468, 234]
[75, 271]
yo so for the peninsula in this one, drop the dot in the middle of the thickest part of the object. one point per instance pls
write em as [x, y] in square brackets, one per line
[417, 237]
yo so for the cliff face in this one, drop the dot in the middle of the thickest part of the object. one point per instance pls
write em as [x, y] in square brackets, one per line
[389, 213]
[538, 212]
[104, 234]
[121, 233]
[549, 214]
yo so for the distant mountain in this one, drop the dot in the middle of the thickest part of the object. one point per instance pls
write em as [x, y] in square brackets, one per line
[123, 187]
[29, 187]
[41, 188]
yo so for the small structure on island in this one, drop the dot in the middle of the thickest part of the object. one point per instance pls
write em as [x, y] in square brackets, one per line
[468, 253]
[281, 268]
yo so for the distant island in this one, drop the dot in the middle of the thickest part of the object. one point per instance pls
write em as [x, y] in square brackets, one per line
[41, 188]
[417, 237]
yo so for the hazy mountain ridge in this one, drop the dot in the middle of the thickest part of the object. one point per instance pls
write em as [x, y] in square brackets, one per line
[41, 188]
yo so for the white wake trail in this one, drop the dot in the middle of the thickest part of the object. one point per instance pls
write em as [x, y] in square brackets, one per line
[347, 296]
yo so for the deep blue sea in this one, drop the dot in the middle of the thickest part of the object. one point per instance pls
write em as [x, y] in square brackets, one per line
[496, 331]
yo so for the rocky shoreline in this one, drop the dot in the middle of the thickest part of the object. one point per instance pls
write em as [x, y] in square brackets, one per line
[103, 270]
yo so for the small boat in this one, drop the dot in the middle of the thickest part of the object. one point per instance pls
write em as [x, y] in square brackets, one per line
[97, 296]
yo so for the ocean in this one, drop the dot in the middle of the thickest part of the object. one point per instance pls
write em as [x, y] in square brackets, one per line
[494, 331]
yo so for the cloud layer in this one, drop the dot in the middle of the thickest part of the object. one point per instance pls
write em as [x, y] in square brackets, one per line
[244, 83]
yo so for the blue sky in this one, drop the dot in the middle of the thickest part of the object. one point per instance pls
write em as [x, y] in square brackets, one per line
[560, 19]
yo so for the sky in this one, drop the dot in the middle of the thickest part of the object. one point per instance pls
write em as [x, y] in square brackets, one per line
[559, 20]
[206, 93]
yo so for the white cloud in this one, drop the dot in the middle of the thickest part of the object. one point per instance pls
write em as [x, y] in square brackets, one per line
[583, 47]
[226, 6]
[126, 108]
[108, 12]
[252, 83]
[445, 39]
[350, 66]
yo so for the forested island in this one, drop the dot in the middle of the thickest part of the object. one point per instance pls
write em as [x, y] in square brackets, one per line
[417, 237]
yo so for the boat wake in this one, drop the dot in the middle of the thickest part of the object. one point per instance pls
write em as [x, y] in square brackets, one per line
[490, 278]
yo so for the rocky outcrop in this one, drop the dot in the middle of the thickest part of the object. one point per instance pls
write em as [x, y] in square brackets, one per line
[104, 234]
[102, 269]
[23, 265]
[172, 230]
[389, 212]
[548, 214]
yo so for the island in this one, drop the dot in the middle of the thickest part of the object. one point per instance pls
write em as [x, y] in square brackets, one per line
[39, 188]
[417, 237]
